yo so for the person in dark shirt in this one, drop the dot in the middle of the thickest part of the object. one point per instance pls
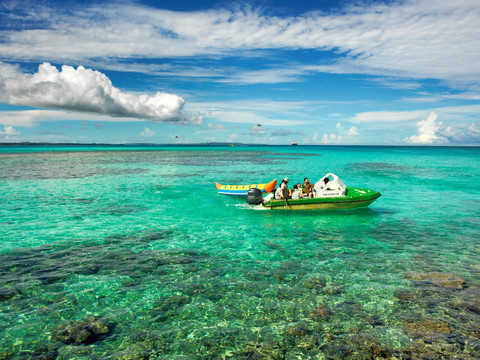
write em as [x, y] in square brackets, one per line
[307, 188]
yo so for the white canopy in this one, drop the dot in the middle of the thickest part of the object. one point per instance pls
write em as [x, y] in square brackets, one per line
[334, 186]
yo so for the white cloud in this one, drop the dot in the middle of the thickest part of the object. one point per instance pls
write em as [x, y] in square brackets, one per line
[388, 116]
[427, 132]
[28, 118]
[216, 127]
[426, 97]
[468, 133]
[90, 91]
[232, 137]
[265, 76]
[248, 117]
[326, 139]
[147, 133]
[258, 111]
[451, 114]
[257, 131]
[342, 136]
[457, 126]
[353, 131]
[401, 38]
[9, 133]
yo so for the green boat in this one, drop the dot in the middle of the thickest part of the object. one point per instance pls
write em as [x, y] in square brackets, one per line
[330, 193]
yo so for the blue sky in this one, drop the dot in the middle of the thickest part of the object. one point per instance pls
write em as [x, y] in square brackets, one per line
[267, 72]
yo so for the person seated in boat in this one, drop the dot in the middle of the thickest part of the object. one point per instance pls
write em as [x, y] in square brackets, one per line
[282, 191]
[297, 191]
[324, 186]
[307, 188]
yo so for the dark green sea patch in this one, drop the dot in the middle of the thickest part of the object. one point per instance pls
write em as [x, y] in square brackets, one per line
[413, 174]
[187, 159]
[289, 156]
[382, 169]
[69, 165]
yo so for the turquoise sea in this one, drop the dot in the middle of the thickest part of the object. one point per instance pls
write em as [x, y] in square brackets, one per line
[130, 253]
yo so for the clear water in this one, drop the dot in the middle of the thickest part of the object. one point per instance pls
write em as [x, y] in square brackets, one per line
[140, 238]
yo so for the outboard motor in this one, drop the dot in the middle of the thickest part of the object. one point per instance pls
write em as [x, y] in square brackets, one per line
[254, 196]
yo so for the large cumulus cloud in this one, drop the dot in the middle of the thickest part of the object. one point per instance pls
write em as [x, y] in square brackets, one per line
[87, 90]
[428, 130]
[431, 131]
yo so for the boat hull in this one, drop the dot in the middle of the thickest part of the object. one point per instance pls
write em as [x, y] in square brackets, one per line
[242, 190]
[355, 198]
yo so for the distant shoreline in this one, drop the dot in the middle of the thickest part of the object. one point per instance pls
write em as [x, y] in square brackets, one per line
[217, 144]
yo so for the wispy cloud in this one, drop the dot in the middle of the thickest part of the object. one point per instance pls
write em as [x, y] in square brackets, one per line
[427, 97]
[462, 113]
[29, 118]
[287, 74]
[411, 38]
[216, 127]
[259, 111]
[388, 116]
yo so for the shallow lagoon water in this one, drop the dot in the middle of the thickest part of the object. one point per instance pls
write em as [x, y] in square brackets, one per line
[129, 253]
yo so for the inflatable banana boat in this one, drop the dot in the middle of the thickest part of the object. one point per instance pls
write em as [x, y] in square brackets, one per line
[241, 190]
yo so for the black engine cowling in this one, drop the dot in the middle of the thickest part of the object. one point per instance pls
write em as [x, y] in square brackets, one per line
[254, 196]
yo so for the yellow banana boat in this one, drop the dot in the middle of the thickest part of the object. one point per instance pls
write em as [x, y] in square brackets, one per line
[241, 190]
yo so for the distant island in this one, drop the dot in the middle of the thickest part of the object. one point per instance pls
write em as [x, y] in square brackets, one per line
[223, 144]
[127, 144]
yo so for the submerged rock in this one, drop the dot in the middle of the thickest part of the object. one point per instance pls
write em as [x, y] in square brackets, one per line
[439, 279]
[357, 346]
[261, 351]
[320, 312]
[87, 269]
[407, 297]
[469, 299]
[7, 293]
[427, 327]
[297, 330]
[48, 355]
[315, 283]
[84, 332]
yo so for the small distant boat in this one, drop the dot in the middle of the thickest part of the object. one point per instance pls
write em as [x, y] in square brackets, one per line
[294, 143]
[330, 194]
[241, 190]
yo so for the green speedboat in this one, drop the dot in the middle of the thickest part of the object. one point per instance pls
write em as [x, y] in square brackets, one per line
[330, 193]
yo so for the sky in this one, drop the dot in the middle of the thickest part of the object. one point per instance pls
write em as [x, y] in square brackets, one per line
[324, 72]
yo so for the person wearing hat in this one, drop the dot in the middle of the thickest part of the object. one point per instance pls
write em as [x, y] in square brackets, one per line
[282, 191]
